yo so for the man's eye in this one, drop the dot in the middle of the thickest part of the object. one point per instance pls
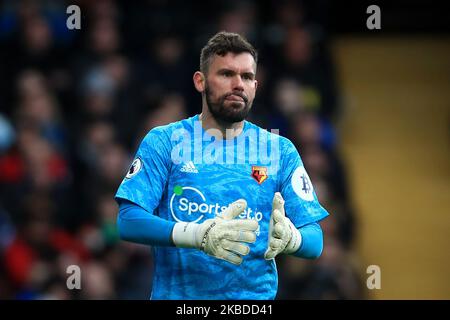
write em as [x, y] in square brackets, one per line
[227, 74]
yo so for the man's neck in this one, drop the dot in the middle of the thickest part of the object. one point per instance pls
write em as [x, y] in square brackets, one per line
[219, 129]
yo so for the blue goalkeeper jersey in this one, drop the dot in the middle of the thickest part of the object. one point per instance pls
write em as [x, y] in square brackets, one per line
[182, 173]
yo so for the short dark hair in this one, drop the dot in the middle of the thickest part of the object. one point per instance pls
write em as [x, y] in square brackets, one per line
[221, 44]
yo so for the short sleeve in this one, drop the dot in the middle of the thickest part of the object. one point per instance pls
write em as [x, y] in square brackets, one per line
[301, 203]
[147, 176]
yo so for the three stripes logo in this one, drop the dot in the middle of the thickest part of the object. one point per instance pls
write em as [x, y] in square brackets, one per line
[189, 167]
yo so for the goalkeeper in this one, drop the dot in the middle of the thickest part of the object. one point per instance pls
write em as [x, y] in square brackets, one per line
[215, 208]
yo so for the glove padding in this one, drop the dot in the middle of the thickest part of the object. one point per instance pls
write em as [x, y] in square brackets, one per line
[284, 237]
[223, 236]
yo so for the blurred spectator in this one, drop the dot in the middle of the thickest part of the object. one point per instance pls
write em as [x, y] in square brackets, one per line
[164, 68]
[300, 57]
[239, 17]
[38, 108]
[170, 109]
[30, 258]
[98, 282]
[7, 134]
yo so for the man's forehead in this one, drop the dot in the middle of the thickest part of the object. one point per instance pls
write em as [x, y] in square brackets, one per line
[243, 62]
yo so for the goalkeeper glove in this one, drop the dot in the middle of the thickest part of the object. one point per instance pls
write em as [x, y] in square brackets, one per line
[284, 237]
[221, 237]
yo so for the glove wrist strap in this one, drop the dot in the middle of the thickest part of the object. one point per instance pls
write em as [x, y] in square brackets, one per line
[184, 235]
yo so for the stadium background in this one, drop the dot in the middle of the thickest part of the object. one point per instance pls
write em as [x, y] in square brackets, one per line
[368, 110]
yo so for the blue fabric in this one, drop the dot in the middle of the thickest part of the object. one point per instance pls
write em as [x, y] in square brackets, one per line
[312, 242]
[140, 226]
[181, 173]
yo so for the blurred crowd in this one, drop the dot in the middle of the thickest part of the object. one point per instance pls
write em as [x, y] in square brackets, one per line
[74, 105]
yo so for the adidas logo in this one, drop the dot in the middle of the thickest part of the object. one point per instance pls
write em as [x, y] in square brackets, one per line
[189, 167]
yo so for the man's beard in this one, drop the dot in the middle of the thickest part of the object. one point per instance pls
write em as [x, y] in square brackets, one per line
[234, 112]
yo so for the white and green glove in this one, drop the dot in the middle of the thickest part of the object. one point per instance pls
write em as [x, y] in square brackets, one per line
[221, 237]
[284, 237]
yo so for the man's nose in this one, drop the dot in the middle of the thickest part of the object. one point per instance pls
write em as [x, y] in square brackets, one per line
[238, 84]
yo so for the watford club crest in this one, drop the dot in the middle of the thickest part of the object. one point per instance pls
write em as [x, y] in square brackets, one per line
[259, 174]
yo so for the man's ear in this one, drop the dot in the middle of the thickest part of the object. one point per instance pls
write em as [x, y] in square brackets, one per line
[199, 81]
[256, 84]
